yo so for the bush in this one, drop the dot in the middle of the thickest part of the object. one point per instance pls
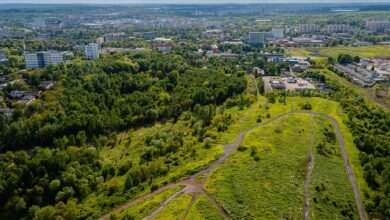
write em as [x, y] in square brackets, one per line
[242, 148]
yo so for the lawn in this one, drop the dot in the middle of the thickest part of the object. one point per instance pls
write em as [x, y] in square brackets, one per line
[331, 195]
[265, 178]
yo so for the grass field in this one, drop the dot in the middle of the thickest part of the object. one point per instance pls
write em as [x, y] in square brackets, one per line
[175, 209]
[130, 144]
[363, 52]
[265, 179]
[204, 209]
[331, 195]
[190, 158]
[247, 118]
[147, 206]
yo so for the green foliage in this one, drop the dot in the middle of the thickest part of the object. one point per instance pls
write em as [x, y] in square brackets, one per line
[121, 93]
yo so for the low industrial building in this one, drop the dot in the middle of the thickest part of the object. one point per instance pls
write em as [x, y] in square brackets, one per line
[287, 83]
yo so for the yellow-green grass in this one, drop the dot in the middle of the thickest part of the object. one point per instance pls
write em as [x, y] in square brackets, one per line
[175, 209]
[145, 207]
[204, 209]
[272, 186]
[246, 119]
[302, 52]
[130, 146]
[331, 192]
[363, 51]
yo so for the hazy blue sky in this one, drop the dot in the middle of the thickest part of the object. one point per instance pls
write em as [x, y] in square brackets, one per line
[189, 1]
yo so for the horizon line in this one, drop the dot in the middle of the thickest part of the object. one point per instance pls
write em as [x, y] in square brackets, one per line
[189, 3]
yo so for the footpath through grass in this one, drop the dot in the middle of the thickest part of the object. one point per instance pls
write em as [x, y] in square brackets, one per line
[175, 209]
[264, 179]
[331, 193]
[204, 209]
[144, 208]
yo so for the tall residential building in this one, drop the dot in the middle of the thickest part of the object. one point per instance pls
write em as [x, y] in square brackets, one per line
[42, 59]
[377, 26]
[338, 28]
[308, 28]
[92, 51]
[257, 39]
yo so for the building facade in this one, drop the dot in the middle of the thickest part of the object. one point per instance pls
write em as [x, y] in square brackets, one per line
[338, 28]
[377, 26]
[43, 59]
[308, 28]
[257, 39]
[92, 51]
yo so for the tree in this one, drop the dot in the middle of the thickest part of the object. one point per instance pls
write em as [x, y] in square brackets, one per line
[129, 182]
[344, 59]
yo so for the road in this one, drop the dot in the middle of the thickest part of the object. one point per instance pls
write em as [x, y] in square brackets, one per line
[191, 186]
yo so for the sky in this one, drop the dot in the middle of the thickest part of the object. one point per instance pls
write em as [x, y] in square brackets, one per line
[187, 1]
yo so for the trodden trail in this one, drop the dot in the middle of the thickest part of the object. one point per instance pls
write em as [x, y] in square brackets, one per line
[191, 186]
[309, 171]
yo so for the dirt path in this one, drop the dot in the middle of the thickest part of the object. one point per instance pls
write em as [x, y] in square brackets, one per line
[165, 203]
[309, 171]
[192, 187]
[348, 166]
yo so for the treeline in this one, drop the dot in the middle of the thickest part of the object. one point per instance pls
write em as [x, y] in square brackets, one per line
[370, 127]
[91, 102]
[46, 176]
[113, 94]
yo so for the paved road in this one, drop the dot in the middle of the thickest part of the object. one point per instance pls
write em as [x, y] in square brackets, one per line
[191, 186]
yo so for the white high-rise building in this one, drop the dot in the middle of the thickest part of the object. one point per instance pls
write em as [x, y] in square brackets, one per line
[308, 28]
[377, 26]
[92, 51]
[43, 59]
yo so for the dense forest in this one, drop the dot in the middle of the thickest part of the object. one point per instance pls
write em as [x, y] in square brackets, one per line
[91, 102]
[370, 126]
[113, 94]
[51, 161]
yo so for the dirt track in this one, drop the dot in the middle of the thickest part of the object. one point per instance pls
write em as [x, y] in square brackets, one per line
[191, 186]
[309, 171]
